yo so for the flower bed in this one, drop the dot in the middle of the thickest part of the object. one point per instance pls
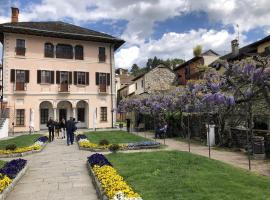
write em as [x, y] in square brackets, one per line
[10, 174]
[36, 147]
[109, 184]
[85, 144]
[12, 168]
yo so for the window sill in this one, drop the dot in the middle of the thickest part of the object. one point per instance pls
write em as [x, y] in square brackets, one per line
[45, 83]
[17, 56]
[20, 126]
[103, 121]
[81, 85]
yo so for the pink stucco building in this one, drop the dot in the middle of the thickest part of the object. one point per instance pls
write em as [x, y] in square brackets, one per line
[57, 70]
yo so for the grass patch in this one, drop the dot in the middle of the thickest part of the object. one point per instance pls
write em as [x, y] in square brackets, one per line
[20, 141]
[2, 163]
[114, 137]
[170, 175]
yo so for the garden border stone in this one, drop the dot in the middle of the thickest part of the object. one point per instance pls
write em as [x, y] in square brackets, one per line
[129, 149]
[6, 191]
[99, 190]
[15, 155]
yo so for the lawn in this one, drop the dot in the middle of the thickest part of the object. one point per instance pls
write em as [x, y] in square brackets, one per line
[20, 141]
[114, 137]
[173, 175]
[2, 163]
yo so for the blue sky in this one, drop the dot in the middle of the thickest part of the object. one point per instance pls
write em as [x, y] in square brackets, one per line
[167, 29]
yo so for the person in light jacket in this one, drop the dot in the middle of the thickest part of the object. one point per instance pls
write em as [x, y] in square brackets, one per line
[63, 128]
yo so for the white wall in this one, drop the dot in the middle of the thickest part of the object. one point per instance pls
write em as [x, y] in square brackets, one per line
[131, 88]
[4, 129]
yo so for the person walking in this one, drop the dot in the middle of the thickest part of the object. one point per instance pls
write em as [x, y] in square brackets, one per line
[75, 128]
[57, 129]
[50, 125]
[70, 130]
[63, 128]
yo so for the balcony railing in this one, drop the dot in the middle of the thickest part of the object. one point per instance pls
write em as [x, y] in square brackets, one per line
[102, 88]
[64, 88]
[20, 86]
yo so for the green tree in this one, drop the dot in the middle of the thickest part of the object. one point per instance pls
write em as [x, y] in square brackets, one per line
[197, 51]
[149, 64]
[156, 62]
[134, 69]
[175, 62]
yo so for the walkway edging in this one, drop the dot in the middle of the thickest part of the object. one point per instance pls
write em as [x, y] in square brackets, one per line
[99, 190]
[14, 183]
[15, 155]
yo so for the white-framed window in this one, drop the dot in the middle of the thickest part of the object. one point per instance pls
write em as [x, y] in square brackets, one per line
[45, 76]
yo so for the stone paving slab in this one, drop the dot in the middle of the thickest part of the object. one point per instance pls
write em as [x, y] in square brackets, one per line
[56, 173]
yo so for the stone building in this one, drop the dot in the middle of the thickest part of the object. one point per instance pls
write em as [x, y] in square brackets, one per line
[190, 69]
[160, 78]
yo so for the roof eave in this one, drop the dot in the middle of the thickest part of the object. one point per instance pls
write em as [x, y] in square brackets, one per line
[117, 42]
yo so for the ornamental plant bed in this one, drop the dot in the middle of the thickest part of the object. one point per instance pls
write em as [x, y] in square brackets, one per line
[38, 146]
[10, 174]
[108, 183]
[85, 144]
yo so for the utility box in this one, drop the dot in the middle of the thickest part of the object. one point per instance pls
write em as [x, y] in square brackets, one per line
[211, 135]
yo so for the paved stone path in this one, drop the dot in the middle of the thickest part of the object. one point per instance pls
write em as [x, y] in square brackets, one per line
[57, 173]
[237, 159]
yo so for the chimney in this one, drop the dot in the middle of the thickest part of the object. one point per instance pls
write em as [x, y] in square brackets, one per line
[14, 15]
[235, 47]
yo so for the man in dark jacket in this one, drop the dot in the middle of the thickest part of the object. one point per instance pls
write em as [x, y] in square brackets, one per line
[50, 125]
[70, 130]
[74, 129]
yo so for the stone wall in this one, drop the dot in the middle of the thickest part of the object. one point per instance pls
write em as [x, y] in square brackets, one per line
[160, 78]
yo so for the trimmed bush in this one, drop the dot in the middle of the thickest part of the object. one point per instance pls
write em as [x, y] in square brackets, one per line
[11, 147]
[104, 142]
[114, 148]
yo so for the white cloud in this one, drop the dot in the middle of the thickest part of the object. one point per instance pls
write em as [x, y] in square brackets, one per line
[127, 56]
[141, 16]
[176, 45]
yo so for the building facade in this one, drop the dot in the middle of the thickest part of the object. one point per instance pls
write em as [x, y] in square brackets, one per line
[160, 78]
[58, 70]
[190, 69]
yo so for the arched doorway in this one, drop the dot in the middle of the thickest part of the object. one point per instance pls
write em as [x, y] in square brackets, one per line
[45, 112]
[82, 111]
[64, 110]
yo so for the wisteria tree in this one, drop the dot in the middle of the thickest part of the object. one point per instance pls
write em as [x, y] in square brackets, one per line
[241, 83]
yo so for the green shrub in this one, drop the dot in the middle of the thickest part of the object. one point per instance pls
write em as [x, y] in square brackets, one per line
[114, 148]
[11, 147]
[103, 142]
